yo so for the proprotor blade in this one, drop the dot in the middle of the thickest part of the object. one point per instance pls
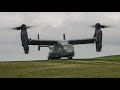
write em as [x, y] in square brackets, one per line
[16, 28]
[104, 26]
[99, 25]
[29, 27]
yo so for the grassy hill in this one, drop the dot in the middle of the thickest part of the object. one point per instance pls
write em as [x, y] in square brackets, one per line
[102, 67]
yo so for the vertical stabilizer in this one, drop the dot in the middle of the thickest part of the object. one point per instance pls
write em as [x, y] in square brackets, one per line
[64, 37]
[38, 45]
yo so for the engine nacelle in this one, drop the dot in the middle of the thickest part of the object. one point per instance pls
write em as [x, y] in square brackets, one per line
[24, 40]
[98, 41]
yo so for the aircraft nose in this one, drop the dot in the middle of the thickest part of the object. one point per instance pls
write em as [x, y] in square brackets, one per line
[70, 51]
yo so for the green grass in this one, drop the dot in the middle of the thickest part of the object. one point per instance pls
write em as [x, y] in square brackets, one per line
[102, 67]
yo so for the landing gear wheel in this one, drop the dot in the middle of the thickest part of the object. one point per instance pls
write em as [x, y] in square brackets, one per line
[70, 57]
[49, 58]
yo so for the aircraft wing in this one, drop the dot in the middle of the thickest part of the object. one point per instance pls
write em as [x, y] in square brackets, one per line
[81, 41]
[42, 42]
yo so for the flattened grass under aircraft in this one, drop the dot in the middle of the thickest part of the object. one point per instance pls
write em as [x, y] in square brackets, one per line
[58, 48]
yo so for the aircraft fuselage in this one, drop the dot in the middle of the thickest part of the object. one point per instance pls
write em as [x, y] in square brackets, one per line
[59, 51]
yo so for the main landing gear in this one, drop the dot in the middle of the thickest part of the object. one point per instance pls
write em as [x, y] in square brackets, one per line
[49, 58]
[70, 57]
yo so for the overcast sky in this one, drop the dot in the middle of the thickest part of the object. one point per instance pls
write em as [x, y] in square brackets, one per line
[52, 25]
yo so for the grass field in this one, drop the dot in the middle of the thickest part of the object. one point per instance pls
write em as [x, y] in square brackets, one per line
[103, 67]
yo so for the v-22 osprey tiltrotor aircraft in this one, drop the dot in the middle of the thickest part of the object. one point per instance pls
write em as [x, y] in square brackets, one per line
[60, 48]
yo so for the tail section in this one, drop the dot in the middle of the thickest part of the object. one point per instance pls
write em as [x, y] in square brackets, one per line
[64, 37]
[38, 45]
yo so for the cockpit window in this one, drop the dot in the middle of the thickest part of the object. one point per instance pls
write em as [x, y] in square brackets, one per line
[54, 49]
[68, 47]
[63, 42]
